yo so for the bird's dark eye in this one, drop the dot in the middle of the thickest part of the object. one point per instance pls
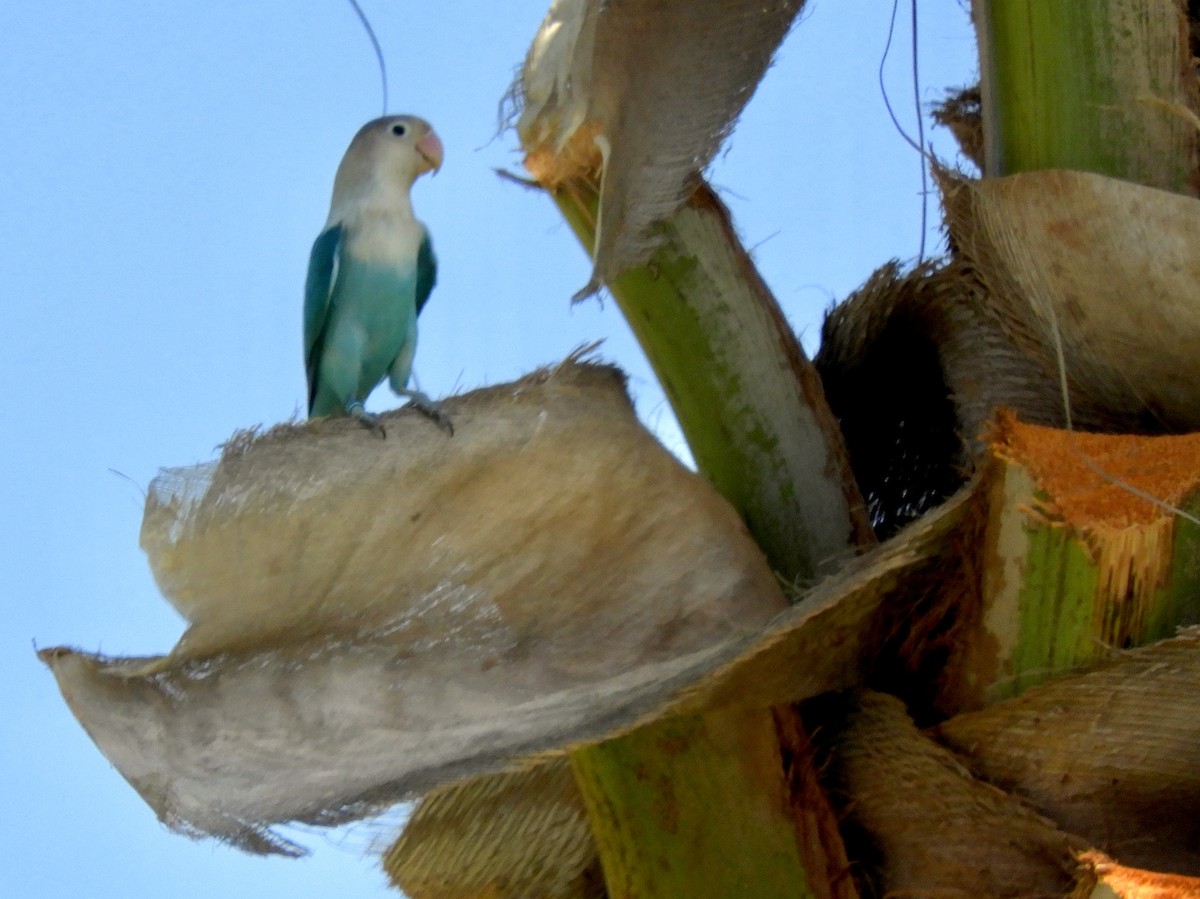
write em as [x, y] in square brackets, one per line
[399, 130]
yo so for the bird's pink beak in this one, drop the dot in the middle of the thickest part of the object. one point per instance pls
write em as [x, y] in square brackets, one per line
[430, 148]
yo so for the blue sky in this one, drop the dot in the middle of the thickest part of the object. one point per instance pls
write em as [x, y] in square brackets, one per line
[165, 168]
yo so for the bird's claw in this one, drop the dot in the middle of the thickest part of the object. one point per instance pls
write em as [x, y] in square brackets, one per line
[430, 409]
[441, 419]
[367, 419]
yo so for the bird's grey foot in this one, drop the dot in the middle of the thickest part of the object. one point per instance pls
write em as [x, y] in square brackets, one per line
[428, 407]
[366, 419]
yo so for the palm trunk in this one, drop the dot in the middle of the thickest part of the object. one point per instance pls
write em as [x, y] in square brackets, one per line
[1101, 86]
[699, 806]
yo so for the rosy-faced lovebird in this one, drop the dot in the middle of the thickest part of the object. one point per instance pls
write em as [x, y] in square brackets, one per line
[370, 273]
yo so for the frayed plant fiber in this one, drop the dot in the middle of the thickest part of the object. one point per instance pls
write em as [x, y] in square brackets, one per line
[647, 91]
[917, 820]
[1112, 754]
[547, 578]
[524, 832]
[1067, 297]
[369, 618]
[1104, 271]
[517, 835]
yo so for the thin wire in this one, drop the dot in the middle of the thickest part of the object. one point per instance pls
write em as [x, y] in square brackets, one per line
[916, 79]
[362, 17]
[1136, 491]
[919, 147]
[887, 48]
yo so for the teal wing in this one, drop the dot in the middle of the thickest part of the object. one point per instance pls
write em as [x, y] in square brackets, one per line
[323, 264]
[426, 271]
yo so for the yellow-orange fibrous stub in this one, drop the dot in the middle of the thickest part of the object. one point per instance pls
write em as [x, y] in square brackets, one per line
[1086, 477]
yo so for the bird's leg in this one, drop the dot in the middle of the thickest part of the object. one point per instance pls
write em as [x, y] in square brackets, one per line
[428, 407]
[368, 419]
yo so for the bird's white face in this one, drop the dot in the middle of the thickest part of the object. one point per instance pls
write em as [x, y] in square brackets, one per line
[406, 146]
[416, 136]
[387, 155]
